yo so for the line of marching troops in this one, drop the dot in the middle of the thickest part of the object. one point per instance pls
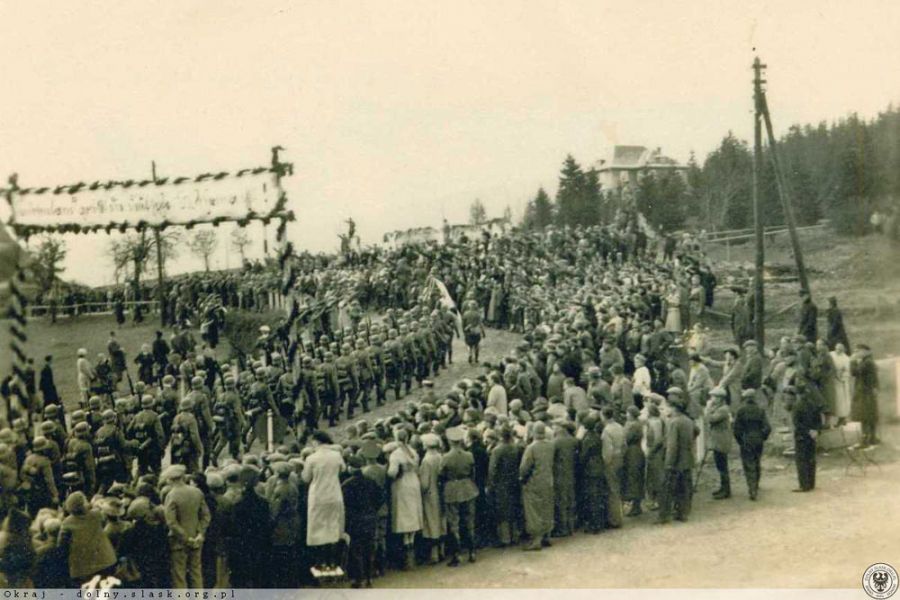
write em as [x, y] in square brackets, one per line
[198, 409]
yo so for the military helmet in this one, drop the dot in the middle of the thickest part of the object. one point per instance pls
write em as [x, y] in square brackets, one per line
[94, 403]
[147, 401]
[186, 405]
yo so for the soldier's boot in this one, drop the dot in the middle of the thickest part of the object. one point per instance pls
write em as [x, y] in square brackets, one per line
[453, 542]
[409, 557]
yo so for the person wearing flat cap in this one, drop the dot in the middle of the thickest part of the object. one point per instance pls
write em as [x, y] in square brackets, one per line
[89, 549]
[751, 430]
[187, 517]
[460, 491]
[536, 476]
[370, 451]
[751, 366]
[718, 416]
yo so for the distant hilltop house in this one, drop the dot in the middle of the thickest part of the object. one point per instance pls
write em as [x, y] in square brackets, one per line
[416, 235]
[498, 226]
[629, 163]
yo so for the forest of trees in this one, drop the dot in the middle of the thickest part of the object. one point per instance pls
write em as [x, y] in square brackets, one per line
[841, 171]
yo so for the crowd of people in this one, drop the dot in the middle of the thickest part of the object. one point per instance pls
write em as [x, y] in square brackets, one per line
[604, 411]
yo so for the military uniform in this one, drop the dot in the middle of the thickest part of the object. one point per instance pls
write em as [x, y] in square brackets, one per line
[185, 439]
[109, 450]
[37, 480]
[460, 491]
[147, 433]
[228, 417]
[348, 380]
[366, 373]
[79, 469]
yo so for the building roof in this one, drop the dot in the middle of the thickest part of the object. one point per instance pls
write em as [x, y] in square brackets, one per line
[638, 157]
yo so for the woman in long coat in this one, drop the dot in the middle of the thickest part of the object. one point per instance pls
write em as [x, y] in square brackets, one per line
[536, 474]
[842, 381]
[503, 486]
[593, 476]
[434, 526]
[406, 493]
[633, 485]
[673, 310]
[325, 505]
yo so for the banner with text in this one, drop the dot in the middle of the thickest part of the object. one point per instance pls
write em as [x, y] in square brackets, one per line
[176, 201]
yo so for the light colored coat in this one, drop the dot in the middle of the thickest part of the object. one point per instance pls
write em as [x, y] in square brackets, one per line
[325, 504]
[433, 526]
[406, 491]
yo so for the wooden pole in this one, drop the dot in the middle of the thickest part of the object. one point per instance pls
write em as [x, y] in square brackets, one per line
[160, 285]
[786, 204]
[759, 326]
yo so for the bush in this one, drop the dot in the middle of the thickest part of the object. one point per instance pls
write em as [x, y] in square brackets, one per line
[242, 329]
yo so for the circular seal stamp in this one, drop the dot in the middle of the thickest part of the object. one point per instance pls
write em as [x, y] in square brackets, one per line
[880, 581]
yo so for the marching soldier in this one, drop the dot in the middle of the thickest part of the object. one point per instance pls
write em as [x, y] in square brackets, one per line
[460, 491]
[79, 470]
[110, 447]
[410, 358]
[259, 401]
[362, 355]
[311, 387]
[331, 390]
[393, 362]
[147, 433]
[348, 379]
[378, 357]
[167, 403]
[37, 477]
[228, 416]
[203, 413]
[185, 438]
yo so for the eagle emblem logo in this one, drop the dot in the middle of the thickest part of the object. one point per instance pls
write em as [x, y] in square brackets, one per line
[880, 581]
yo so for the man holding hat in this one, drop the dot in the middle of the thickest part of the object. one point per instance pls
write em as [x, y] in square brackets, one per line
[751, 430]
[460, 491]
[187, 516]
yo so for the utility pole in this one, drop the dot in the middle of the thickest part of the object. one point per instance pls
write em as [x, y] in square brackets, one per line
[783, 193]
[759, 326]
[160, 285]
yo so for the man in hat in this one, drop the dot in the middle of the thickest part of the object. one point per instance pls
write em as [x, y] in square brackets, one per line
[160, 351]
[116, 357]
[460, 491]
[613, 440]
[679, 461]
[187, 517]
[751, 430]
[564, 462]
[807, 420]
[718, 416]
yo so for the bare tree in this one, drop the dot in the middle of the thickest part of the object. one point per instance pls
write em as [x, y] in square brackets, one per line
[134, 254]
[203, 244]
[239, 241]
[47, 264]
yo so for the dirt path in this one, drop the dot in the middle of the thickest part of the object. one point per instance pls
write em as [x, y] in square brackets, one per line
[823, 539]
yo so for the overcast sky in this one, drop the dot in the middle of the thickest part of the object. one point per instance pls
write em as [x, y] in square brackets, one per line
[399, 113]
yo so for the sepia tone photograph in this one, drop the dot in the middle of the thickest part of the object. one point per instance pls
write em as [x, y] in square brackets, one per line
[381, 295]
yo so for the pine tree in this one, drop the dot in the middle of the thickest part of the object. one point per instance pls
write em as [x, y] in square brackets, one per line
[570, 192]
